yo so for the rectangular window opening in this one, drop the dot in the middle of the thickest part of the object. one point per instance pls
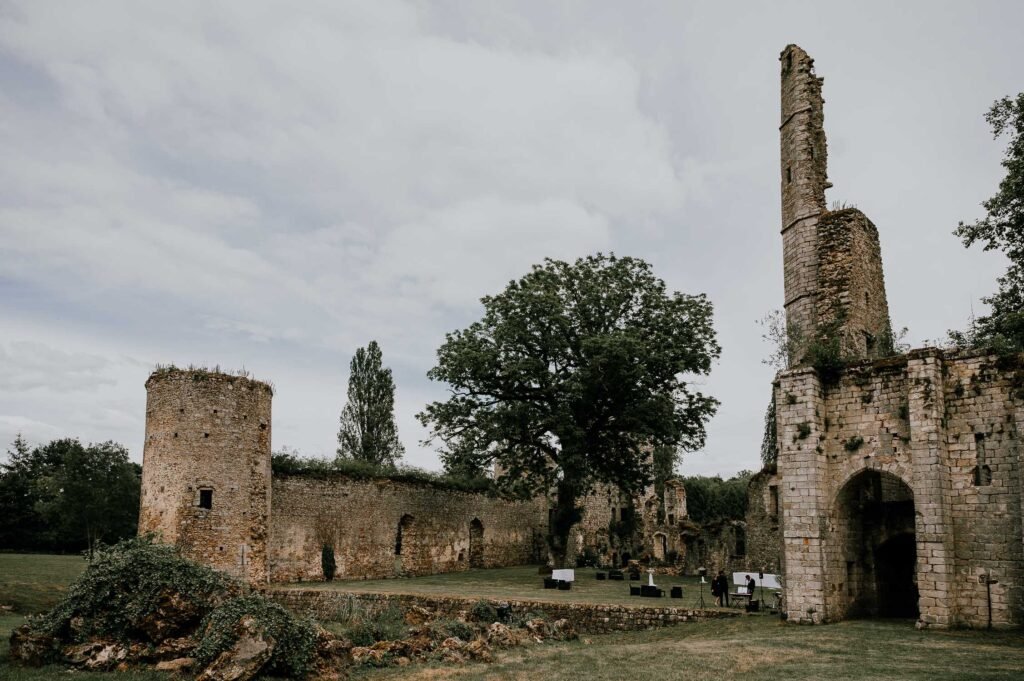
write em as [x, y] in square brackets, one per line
[773, 500]
[206, 498]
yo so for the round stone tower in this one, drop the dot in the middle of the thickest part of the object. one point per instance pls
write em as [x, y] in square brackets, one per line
[206, 468]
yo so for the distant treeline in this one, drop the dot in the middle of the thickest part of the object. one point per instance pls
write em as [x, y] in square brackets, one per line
[66, 497]
[711, 499]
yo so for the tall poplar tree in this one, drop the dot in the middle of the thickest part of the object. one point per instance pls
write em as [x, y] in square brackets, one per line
[368, 430]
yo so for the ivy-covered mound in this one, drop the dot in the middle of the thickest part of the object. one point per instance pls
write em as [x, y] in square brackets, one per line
[143, 604]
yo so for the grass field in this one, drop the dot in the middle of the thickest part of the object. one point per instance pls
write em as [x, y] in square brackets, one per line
[524, 583]
[33, 583]
[754, 648]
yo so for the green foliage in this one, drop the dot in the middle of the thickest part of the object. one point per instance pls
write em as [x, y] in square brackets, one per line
[295, 637]
[770, 441]
[853, 443]
[711, 499]
[366, 628]
[625, 528]
[66, 496]
[573, 371]
[327, 562]
[125, 584]
[803, 431]
[483, 611]
[368, 430]
[441, 629]
[290, 462]
[1002, 228]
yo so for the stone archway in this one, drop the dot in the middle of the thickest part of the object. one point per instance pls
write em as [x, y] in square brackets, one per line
[660, 546]
[476, 543]
[872, 548]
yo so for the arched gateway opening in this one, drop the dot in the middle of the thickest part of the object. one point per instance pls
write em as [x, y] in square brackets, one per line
[874, 549]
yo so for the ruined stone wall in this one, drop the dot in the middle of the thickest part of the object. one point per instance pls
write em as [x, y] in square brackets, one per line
[929, 420]
[804, 178]
[851, 284]
[441, 530]
[587, 618]
[764, 538]
[657, 531]
[832, 260]
[208, 444]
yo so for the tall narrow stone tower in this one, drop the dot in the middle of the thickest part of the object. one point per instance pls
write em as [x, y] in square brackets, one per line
[206, 468]
[832, 259]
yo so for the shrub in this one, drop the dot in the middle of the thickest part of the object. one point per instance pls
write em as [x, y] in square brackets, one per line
[295, 637]
[327, 562]
[387, 624]
[446, 628]
[125, 585]
[803, 430]
[484, 611]
[854, 443]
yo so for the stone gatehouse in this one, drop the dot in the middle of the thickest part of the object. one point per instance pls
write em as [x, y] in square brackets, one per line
[899, 487]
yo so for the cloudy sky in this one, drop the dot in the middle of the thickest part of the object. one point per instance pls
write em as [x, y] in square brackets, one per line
[271, 185]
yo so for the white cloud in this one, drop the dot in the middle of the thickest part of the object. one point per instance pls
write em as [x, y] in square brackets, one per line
[271, 185]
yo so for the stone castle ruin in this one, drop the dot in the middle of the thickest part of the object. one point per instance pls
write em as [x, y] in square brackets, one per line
[899, 487]
[207, 486]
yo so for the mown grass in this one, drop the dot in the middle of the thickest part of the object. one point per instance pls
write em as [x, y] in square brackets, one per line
[33, 583]
[754, 649]
[523, 583]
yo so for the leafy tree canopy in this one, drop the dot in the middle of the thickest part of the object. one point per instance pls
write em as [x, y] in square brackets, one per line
[710, 499]
[67, 496]
[1002, 229]
[368, 430]
[570, 378]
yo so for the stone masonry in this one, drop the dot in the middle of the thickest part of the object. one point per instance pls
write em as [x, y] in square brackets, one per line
[206, 468]
[899, 482]
[385, 528]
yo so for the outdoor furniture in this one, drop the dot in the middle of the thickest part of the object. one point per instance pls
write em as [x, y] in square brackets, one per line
[634, 574]
[564, 586]
[677, 592]
[550, 583]
[602, 576]
[616, 575]
[740, 594]
[651, 591]
[566, 575]
[634, 590]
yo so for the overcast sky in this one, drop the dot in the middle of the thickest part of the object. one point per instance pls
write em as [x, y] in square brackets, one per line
[271, 185]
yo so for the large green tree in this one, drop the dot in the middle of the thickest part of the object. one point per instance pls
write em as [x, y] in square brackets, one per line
[368, 430]
[574, 372]
[66, 496]
[1002, 229]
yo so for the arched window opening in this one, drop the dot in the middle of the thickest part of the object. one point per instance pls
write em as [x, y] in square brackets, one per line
[404, 525]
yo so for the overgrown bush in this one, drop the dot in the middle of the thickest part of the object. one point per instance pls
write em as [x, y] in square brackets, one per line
[295, 637]
[387, 624]
[484, 611]
[712, 498]
[327, 562]
[290, 462]
[446, 628]
[127, 583]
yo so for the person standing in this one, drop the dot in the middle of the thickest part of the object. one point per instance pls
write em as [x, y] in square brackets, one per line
[723, 587]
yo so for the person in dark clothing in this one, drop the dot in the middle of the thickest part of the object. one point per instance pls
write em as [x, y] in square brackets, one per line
[723, 587]
[751, 585]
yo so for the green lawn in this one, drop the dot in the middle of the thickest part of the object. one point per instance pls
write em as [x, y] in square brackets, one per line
[752, 649]
[33, 583]
[524, 583]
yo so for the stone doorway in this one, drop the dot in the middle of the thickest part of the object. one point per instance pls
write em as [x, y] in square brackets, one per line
[476, 543]
[873, 549]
